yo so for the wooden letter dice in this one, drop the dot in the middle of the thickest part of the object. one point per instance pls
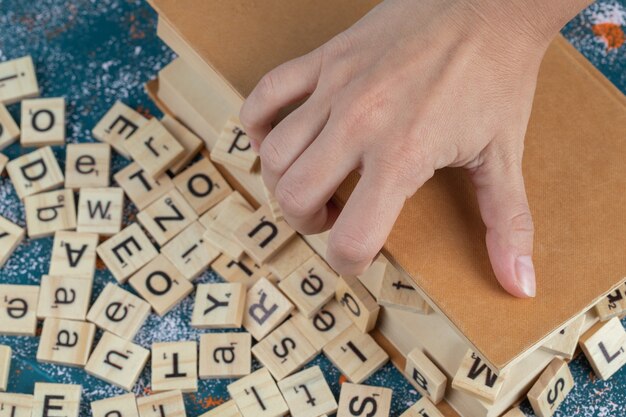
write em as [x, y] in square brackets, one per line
[227, 409]
[165, 404]
[154, 148]
[564, 342]
[117, 361]
[396, 291]
[56, 399]
[357, 302]
[121, 406]
[9, 131]
[424, 408]
[5, 366]
[476, 378]
[43, 122]
[18, 309]
[613, 305]
[289, 258]
[141, 188]
[167, 216]
[16, 405]
[100, 210]
[202, 185]
[307, 393]
[20, 80]
[244, 271]
[119, 312]
[225, 355]
[117, 126]
[257, 395]
[87, 165]
[35, 172]
[266, 308]
[65, 342]
[126, 252]
[50, 212]
[191, 143]
[551, 388]
[73, 254]
[325, 326]
[11, 235]
[175, 366]
[424, 375]
[362, 400]
[605, 347]
[64, 297]
[262, 236]
[219, 306]
[190, 253]
[233, 148]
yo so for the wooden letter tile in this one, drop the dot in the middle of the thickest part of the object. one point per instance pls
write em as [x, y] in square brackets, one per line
[5, 366]
[9, 131]
[284, 351]
[613, 305]
[261, 236]
[118, 125]
[244, 271]
[228, 409]
[19, 80]
[190, 253]
[50, 212]
[191, 143]
[423, 408]
[121, 406]
[169, 215]
[424, 375]
[56, 400]
[356, 354]
[357, 302]
[165, 404]
[119, 312]
[100, 210]
[564, 342]
[514, 412]
[266, 308]
[476, 378]
[551, 388]
[18, 309]
[16, 405]
[219, 306]
[257, 395]
[289, 258]
[117, 361]
[307, 394]
[233, 148]
[11, 235]
[362, 400]
[202, 185]
[43, 122]
[74, 254]
[154, 148]
[175, 366]
[396, 291]
[87, 165]
[126, 252]
[35, 172]
[310, 286]
[225, 355]
[65, 342]
[605, 347]
[222, 221]
[64, 297]
[324, 326]
[160, 284]
[140, 188]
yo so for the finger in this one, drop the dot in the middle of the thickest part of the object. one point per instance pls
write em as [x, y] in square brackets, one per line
[305, 189]
[288, 140]
[367, 219]
[504, 208]
[284, 85]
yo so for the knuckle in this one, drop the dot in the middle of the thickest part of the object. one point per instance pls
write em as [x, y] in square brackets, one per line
[271, 160]
[350, 247]
[291, 200]
[522, 222]
[267, 84]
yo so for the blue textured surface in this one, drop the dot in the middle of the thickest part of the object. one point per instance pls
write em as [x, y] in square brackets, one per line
[95, 52]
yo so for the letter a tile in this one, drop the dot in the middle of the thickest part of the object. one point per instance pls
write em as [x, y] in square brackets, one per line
[225, 355]
[65, 342]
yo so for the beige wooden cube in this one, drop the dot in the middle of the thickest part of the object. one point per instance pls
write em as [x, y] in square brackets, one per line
[175, 366]
[225, 355]
[49, 212]
[64, 297]
[127, 252]
[100, 210]
[476, 378]
[223, 220]
[397, 291]
[357, 302]
[119, 312]
[168, 404]
[65, 342]
[169, 215]
[16, 405]
[289, 258]
[87, 165]
[202, 185]
[191, 143]
[307, 393]
[219, 306]
[73, 254]
[564, 342]
[604, 346]
[227, 409]
[266, 308]
[356, 354]
[117, 361]
[118, 125]
[233, 148]
[551, 388]
[60, 399]
[11, 235]
[355, 397]
[9, 131]
[140, 187]
[190, 253]
[154, 148]
[244, 270]
[18, 309]
[257, 395]
[35, 172]
[43, 122]
[425, 376]
[325, 326]
[424, 408]
[161, 285]
[19, 80]
[120, 406]
[5, 366]
[613, 305]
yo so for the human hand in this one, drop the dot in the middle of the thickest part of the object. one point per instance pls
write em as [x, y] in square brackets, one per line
[414, 86]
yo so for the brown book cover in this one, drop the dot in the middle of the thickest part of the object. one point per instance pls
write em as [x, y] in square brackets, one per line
[574, 169]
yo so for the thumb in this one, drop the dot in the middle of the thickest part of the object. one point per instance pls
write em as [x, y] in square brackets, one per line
[504, 209]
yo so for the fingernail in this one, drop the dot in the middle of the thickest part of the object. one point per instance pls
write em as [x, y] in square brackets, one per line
[525, 274]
